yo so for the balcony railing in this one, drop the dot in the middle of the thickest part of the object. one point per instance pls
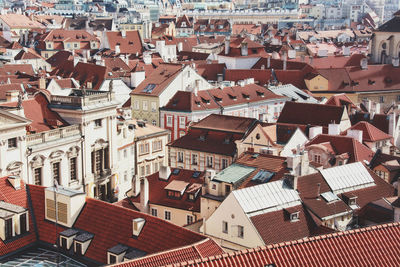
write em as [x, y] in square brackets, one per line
[55, 134]
[92, 97]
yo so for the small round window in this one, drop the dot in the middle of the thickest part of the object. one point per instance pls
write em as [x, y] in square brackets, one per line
[258, 136]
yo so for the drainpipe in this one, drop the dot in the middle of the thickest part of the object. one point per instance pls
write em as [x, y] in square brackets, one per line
[82, 164]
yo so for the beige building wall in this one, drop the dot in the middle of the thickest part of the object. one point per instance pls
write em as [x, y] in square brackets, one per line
[146, 108]
[178, 216]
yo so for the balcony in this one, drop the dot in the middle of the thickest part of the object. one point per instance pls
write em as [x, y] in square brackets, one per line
[81, 99]
[55, 134]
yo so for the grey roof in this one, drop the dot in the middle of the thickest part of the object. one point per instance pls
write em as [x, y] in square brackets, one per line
[69, 232]
[392, 25]
[233, 174]
[11, 207]
[84, 237]
[267, 197]
[65, 191]
[348, 177]
[293, 92]
[134, 253]
[118, 249]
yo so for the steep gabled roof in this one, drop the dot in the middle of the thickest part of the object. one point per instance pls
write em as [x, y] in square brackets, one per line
[370, 132]
[130, 44]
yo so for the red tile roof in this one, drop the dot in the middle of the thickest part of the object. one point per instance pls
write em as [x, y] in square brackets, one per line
[205, 248]
[313, 114]
[130, 44]
[151, 239]
[370, 132]
[160, 77]
[43, 118]
[60, 38]
[344, 144]
[12, 69]
[216, 98]
[246, 28]
[28, 54]
[16, 197]
[158, 195]
[226, 123]
[340, 100]
[275, 226]
[370, 246]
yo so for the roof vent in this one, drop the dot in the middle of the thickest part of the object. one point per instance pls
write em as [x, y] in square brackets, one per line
[137, 226]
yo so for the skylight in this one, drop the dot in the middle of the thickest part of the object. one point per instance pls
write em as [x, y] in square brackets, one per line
[196, 174]
[176, 171]
[263, 176]
[329, 197]
[149, 88]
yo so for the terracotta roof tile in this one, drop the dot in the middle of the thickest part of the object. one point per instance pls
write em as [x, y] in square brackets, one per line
[358, 247]
[130, 44]
[370, 132]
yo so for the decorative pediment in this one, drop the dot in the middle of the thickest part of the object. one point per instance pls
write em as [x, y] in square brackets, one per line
[37, 161]
[73, 151]
[14, 166]
[100, 143]
[56, 154]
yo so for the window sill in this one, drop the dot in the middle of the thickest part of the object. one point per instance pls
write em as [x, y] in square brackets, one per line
[11, 148]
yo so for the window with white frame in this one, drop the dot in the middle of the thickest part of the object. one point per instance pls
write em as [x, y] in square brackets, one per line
[182, 122]
[72, 169]
[157, 145]
[180, 156]
[194, 159]
[143, 148]
[136, 104]
[145, 105]
[169, 121]
[37, 173]
[153, 106]
[224, 163]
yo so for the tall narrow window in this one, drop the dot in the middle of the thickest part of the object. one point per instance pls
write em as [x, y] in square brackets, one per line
[167, 215]
[56, 172]
[22, 223]
[38, 176]
[194, 159]
[8, 228]
[12, 143]
[180, 156]
[224, 227]
[209, 161]
[72, 169]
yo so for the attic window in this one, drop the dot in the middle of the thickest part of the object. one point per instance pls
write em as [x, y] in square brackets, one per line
[207, 101]
[260, 93]
[353, 201]
[130, 42]
[354, 83]
[371, 82]
[246, 96]
[196, 174]
[137, 226]
[149, 88]
[218, 99]
[232, 96]
[388, 80]
[294, 216]
[345, 83]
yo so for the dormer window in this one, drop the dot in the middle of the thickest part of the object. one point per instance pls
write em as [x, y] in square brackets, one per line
[13, 220]
[175, 189]
[82, 242]
[294, 217]
[352, 201]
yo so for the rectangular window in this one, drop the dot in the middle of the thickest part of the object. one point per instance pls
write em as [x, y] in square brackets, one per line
[154, 212]
[76, 45]
[381, 99]
[37, 176]
[144, 148]
[78, 248]
[189, 219]
[145, 105]
[56, 171]
[240, 231]
[12, 143]
[157, 145]
[72, 167]
[153, 106]
[126, 176]
[97, 123]
[194, 159]
[98, 155]
[8, 228]
[125, 153]
[227, 189]
[22, 223]
[169, 121]
[225, 227]
[180, 156]
[136, 104]
[113, 259]
[209, 162]
[148, 169]
[182, 122]
[167, 215]
[317, 158]
[224, 163]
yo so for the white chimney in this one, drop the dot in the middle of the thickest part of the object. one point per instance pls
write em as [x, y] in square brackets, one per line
[314, 131]
[12, 96]
[291, 53]
[334, 129]
[240, 83]
[364, 64]
[117, 49]
[346, 51]
[392, 124]
[147, 58]
[356, 134]
[123, 33]
[137, 77]
[284, 63]
[180, 46]
[144, 195]
[268, 62]
[164, 173]
[243, 49]
[227, 44]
